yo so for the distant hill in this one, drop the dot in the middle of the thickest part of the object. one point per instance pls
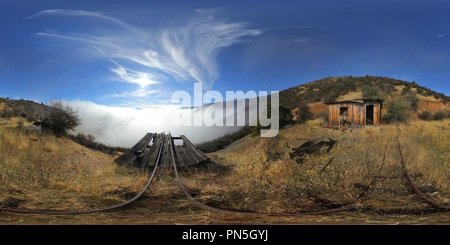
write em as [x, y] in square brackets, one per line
[32, 112]
[28, 109]
[319, 92]
[315, 94]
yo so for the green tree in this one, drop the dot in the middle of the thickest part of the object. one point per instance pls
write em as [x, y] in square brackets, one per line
[411, 97]
[426, 116]
[440, 115]
[255, 130]
[330, 97]
[61, 119]
[371, 91]
[398, 110]
[285, 116]
[304, 113]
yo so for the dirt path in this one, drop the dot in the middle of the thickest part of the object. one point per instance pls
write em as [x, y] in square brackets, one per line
[151, 212]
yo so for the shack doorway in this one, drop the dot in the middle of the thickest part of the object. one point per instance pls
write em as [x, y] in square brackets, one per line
[369, 115]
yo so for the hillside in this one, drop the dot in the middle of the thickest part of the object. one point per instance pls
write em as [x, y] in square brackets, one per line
[410, 101]
[28, 109]
[330, 89]
[253, 174]
[44, 172]
[315, 94]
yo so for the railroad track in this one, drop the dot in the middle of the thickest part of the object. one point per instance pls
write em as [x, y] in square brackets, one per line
[343, 207]
[160, 151]
[339, 208]
[422, 195]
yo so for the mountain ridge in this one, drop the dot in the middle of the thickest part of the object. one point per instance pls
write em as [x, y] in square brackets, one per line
[330, 88]
[315, 93]
[28, 109]
[319, 92]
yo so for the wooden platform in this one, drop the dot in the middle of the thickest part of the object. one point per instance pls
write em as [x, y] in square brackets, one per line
[145, 153]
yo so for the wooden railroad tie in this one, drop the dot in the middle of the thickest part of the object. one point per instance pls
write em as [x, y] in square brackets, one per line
[144, 154]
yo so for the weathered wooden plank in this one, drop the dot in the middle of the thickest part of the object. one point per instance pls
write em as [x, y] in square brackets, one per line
[171, 151]
[154, 156]
[187, 153]
[130, 155]
[151, 150]
[310, 147]
[189, 147]
[197, 153]
[146, 151]
[180, 160]
[187, 156]
[139, 158]
[362, 115]
[377, 115]
[191, 154]
[141, 147]
[165, 158]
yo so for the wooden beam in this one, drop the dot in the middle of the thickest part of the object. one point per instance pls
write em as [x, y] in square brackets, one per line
[197, 153]
[130, 156]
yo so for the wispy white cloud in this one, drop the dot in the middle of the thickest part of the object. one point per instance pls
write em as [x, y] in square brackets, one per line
[87, 39]
[300, 40]
[443, 34]
[82, 13]
[193, 48]
[135, 77]
[69, 12]
[184, 53]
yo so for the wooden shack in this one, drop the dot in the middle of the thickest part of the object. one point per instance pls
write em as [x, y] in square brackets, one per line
[356, 112]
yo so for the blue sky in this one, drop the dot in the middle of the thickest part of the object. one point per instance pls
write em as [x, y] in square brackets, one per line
[135, 54]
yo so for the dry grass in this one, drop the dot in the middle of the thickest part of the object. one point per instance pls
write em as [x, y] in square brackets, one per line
[427, 154]
[252, 174]
[350, 96]
[48, 172]
[263, 170]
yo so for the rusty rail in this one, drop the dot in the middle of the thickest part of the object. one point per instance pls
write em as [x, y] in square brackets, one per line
[422, 195]
[163, 151]
[343, 207]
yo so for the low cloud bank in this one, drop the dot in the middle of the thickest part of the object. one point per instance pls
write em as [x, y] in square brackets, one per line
[117, 126]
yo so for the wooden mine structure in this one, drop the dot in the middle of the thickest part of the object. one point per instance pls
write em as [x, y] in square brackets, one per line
[153, 148]
[360, 112]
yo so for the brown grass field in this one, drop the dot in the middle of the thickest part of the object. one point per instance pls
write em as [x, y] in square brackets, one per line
[42, 172]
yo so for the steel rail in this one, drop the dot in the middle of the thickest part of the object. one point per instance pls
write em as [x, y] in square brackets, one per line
[343, 207]
[422, 195]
